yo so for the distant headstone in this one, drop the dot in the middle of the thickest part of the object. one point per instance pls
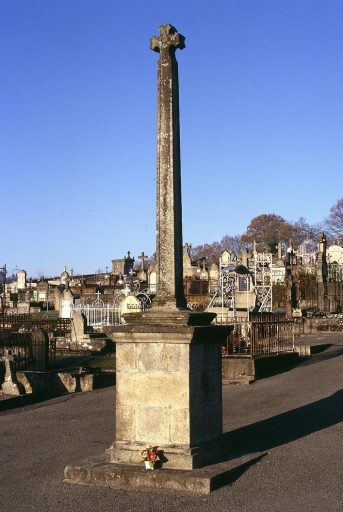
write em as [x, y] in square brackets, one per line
[21, 279]
[188, 269]
[11, 386]
[130, 304]
[142, 274]
[66, 308]
[152, 279]
[79, 324]
[40, 348]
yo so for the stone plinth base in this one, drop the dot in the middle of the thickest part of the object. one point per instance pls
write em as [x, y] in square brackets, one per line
[197, 481]
[180, 457]
[169, 388]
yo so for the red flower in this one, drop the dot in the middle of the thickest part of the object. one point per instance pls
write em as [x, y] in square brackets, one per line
[152, 456]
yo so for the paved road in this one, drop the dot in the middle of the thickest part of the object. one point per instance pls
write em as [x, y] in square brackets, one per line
[295, 417]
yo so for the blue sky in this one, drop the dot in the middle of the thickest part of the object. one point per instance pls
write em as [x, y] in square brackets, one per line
[261, 106]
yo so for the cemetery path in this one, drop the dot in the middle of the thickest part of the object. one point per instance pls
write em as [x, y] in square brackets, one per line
[295, 417]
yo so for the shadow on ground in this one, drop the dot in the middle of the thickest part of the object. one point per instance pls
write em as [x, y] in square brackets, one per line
[330, 353]
[284, 428]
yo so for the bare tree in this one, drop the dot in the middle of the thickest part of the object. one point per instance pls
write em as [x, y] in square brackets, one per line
[235, 243]
[302, 231]
[334, 222]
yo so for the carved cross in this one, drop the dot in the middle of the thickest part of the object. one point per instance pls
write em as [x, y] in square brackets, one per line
[168, 39]
[9, 359]
[143, 257]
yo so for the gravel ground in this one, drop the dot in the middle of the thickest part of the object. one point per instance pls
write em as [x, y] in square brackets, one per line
[296, 418]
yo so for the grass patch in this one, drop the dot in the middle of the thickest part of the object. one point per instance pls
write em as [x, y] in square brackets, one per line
[93, 361]
[103, 362]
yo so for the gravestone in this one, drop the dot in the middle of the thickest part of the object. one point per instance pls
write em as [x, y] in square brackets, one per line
[142, 274]
[79, 321]
[66, 306]
[21, 280]
[40, 349]
[188, 269]
[130, 304]
[11, 386]
[152, 278]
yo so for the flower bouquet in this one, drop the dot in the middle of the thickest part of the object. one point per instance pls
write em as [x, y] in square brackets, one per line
[149, 456]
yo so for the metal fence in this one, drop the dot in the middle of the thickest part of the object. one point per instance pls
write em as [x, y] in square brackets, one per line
[99, 315]
[261, 338]
[32, 341]
[30, 353]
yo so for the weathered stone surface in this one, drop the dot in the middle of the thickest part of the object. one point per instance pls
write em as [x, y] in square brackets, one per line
[120, 476]
[165, 317]
[242, 370]
[125, 423]
[126, 357]
[169, 255]
[176, 357]
[151, 357]
[169, 379]
[146, 389]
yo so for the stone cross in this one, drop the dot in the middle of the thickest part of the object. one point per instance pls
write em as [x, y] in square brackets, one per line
[10, 385]
[169, 257]
[143, 257]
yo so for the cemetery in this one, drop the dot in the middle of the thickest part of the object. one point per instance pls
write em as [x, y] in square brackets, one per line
[179, 330]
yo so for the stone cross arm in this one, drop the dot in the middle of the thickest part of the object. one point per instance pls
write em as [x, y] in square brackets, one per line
[168, 37]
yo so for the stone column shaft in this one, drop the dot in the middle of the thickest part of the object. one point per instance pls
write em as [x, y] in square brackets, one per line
[169, 206]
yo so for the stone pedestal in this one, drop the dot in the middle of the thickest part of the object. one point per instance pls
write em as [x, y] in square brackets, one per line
[169, 389]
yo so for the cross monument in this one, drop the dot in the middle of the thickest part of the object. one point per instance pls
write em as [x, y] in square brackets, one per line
[169, 274]
[143, 257]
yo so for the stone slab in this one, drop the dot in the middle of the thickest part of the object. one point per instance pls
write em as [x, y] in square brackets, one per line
[196, 481]
[309, 350]
[245, 370]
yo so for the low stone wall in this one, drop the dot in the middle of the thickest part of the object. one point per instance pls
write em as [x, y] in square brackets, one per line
[64, 382]
[314, 325]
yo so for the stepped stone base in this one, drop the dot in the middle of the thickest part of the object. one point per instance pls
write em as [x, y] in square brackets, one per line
[196, 481]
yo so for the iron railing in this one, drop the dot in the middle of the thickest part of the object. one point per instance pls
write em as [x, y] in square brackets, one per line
[31, 351]
[260, 338]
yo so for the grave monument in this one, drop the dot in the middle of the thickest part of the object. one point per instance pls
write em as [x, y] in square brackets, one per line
[142, 276]
[11, 385]
[168, 359]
